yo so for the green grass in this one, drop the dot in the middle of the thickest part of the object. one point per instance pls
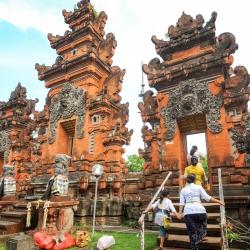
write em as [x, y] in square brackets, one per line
[2, 247]
[125, 241]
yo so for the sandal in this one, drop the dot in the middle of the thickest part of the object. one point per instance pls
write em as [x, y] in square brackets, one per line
[204, 239]
[160, 248]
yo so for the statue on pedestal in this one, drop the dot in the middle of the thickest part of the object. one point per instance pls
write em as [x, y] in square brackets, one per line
[56, 209]
[58, 184]
[8, 182]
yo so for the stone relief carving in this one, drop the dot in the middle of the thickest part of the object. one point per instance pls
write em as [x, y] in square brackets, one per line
[241, 138]
[239, 79]
[70, 101]
[236, 88]
[19, 92]
[185, 24]
[113, 84]
[189, 98]
[5, 144]
[100, 22]
[225, 43]
[149, 105]
[107, 48]
[41, 69]
[122, 115]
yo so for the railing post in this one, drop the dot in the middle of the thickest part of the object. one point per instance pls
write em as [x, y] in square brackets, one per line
[223, 225]
[141, 220]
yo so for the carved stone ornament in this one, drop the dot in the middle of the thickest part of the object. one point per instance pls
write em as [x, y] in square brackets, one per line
[70, 101]
[192, 97]
[185, 24]
[19, 92]
[149, 105]
[240, 140]
[241, 137]
[5, 144]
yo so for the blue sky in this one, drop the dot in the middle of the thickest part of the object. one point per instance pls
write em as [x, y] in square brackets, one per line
[19, 50]
[24, 25]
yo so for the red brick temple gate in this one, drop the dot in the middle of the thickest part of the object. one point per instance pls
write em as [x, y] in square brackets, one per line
[197, 91]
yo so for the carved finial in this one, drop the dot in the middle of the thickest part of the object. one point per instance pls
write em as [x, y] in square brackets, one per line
[185, 24]
[226, 43]
[100, 22]
[66, 13]
[41, 68]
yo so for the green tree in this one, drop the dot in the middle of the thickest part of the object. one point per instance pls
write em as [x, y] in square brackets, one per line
[204, 163]
[135, 163]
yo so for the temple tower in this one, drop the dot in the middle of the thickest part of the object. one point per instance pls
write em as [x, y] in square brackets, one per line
[83, 115]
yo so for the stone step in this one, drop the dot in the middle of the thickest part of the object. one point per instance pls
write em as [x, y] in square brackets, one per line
[9, 227]
[14, 213]
[20, 206]
[180, 229]
[182, 241]
[210, 207]
[212, 218]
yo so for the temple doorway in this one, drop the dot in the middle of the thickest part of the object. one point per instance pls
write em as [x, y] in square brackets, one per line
[69, 129]
[199, 140]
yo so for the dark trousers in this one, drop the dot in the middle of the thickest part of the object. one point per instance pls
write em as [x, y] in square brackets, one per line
[196, 228]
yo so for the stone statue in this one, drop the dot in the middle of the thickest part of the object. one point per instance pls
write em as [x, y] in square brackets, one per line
[56, 214]
[58, 183]
[8, 182]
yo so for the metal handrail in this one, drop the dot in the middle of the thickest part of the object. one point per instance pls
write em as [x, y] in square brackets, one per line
[141, 220]
[223, 226]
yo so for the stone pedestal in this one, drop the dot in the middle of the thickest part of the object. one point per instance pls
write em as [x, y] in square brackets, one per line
[6, 203]
[20, 242]
[58, 209]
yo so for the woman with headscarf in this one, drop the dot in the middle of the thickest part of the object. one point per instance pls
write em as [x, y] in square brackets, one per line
[194, 152]
[163, 208]
[194, 213]
[197, 169]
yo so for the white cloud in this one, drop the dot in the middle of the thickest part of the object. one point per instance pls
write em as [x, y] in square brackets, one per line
[30, 14]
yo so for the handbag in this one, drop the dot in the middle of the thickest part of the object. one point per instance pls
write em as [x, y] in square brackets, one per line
[162, 219]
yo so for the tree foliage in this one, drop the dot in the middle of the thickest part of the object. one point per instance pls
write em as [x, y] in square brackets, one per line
[204, 163]
[135, 163]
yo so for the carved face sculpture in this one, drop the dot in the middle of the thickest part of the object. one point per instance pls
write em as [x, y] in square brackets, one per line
[8, 171]
[9, 180]
[61, 164]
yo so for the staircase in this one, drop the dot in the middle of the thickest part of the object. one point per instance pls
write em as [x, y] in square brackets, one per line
[178, 237]
[14, 220]
[178, 233]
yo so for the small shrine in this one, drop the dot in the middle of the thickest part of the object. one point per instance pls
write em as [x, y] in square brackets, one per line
[16, 137]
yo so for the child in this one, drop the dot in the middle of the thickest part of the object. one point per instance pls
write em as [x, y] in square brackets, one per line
[163, 206]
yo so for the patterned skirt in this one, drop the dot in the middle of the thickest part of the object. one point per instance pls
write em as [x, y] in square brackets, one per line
[196, 228]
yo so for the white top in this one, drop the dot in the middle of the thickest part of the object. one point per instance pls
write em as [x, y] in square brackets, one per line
[166, 204]
[191, 196]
